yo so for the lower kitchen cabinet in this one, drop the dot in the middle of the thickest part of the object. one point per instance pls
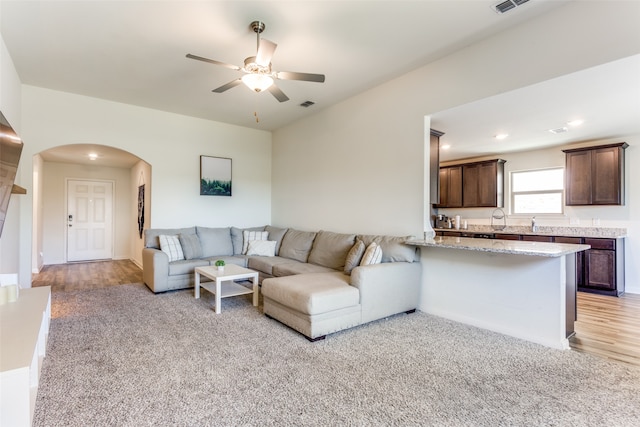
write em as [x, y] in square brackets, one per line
[507, 236]
[599, 270]
[604, 267]
[537, 238]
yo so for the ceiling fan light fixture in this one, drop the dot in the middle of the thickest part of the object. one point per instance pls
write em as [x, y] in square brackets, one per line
[257, 82]
[258, 73]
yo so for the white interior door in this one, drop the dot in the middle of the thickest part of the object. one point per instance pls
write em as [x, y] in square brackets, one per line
[89, 220]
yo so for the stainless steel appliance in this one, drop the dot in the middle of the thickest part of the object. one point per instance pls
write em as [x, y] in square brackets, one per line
[442, 221]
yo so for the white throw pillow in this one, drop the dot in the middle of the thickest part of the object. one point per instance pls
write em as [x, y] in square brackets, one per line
[248, 235]
[373, 254]
[262, 247]
[170, 245]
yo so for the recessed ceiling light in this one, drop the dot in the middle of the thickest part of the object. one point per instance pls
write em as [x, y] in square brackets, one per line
[501, 136]
[576, 122]
[445, 146]
[93, 156]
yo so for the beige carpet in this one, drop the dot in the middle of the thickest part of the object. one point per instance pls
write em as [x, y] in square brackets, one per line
[122, 356]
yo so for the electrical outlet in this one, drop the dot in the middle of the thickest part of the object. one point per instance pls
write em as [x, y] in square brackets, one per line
[596, 222]
[574, 220]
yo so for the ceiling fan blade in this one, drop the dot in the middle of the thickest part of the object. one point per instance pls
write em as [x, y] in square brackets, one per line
[232, 83]
[213, 61]
[265, 52]
[307, 77]
[277, 93]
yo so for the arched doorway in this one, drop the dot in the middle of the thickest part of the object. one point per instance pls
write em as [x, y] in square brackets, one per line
[55, 168]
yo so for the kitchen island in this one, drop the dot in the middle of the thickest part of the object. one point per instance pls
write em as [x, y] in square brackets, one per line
[519, 288]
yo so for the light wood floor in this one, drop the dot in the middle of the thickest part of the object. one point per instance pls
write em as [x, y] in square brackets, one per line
[608, 327]
[87, 275]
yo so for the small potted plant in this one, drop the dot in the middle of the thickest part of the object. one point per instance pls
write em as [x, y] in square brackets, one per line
[220, 265]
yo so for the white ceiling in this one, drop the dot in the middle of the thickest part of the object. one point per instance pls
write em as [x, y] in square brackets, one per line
[134, 52]
[606, 98]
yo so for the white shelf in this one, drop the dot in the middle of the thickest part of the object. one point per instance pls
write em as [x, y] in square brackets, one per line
[227, 289]
[24, 328]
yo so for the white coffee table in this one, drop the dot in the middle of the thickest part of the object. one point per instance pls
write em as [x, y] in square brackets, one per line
[223, 284]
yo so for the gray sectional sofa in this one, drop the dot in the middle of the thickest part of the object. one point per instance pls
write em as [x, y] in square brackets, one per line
[311, 281]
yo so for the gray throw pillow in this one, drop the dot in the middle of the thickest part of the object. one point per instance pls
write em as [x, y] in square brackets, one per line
[276, 234]
[297, 244]
[191, 247]
[354, 256]
[151, 235]
[215, 241]
[330, 249]
[393, 248]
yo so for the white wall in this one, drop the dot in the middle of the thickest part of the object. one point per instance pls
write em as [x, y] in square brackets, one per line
[170, 143]
[55, 210]
[38, 214]
[357, 166]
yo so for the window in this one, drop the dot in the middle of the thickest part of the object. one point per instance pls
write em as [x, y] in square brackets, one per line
[537, 191]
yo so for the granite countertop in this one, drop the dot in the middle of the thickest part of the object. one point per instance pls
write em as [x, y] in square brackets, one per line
[514, 247]
[597, 232]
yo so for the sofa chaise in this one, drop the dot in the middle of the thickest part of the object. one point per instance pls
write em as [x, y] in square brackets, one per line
[314, 282]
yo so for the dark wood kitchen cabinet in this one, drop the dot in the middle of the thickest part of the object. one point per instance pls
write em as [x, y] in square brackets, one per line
[507, 236]
[472, 185]
[450, 187]
[434, 166]
[537, 238]
[604, 267]
[595, 175]
[483, 184]
[598, 270]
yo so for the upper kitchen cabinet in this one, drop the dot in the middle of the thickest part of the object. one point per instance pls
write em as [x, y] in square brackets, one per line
[483, 184]
[595, 175]
[472, 185]
[450, 187]
[434, 166]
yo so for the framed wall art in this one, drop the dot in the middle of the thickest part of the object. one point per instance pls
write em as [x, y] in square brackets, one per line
[215, 176]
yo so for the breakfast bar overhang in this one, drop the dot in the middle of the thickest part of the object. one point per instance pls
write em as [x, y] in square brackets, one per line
[523, 289]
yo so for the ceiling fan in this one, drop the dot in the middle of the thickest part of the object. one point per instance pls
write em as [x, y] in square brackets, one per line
[258, 74]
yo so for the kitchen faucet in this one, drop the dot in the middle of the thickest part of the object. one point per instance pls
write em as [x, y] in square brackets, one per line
[534, 226]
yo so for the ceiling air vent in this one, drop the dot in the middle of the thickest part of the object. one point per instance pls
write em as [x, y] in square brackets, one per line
[306, 104]
[559, 130]
[507, 5]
